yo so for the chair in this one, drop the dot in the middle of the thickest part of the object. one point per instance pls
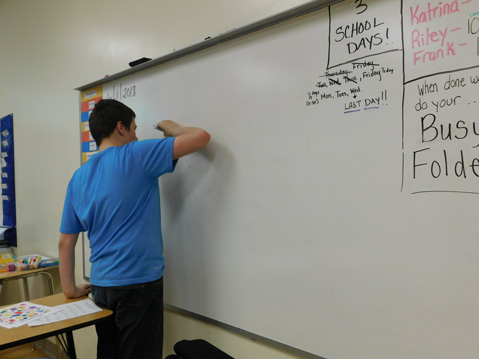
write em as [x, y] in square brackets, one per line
[197, 349]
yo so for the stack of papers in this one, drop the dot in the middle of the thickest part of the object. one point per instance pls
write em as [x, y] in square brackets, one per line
[67, 311]
[33, 314]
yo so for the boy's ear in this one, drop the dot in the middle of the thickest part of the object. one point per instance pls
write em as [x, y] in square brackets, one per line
[120, 128]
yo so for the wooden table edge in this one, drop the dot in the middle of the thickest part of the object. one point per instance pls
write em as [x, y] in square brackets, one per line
[49, 330]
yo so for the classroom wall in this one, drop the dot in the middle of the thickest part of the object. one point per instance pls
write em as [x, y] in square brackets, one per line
[48, 48]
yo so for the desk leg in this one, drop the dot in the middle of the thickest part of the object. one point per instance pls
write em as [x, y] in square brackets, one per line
[26, 291]
[71, 345]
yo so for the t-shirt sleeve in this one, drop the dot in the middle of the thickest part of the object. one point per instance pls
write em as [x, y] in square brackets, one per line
[155, 156]
[70, 223]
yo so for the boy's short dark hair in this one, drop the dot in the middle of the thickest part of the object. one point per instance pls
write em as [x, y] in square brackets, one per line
[106, 115]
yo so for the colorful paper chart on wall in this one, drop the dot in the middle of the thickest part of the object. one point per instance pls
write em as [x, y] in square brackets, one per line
[16, 315]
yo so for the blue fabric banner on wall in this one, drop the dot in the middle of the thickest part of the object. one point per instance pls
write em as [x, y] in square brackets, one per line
[8, 178]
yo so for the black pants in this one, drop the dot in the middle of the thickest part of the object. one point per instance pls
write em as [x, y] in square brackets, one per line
[135, 330]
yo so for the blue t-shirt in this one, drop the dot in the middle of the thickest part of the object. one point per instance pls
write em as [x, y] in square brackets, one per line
[115, 197]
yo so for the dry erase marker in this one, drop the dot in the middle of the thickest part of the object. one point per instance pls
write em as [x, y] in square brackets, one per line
[156, 127]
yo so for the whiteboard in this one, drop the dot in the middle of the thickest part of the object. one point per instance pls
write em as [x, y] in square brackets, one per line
[333, 211]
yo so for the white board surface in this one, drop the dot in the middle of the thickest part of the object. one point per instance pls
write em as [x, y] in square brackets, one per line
[332, 211]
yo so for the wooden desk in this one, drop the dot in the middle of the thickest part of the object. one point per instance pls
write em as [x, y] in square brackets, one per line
[25, 334]
[29, 273]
